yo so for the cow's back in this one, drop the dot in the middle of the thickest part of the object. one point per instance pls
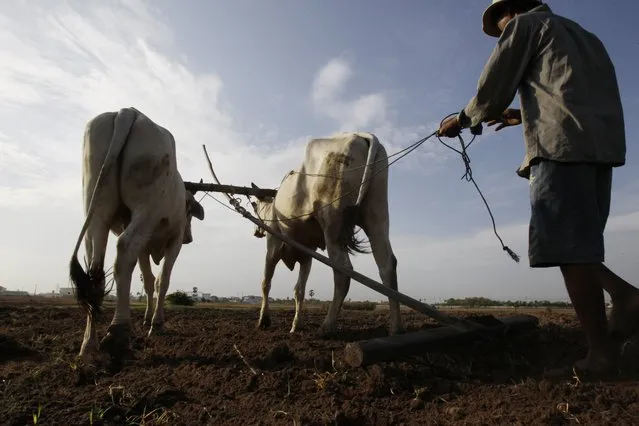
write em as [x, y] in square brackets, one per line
[145, 178]
[314, 185]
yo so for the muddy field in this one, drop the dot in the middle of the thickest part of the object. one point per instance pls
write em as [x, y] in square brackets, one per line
[193, 375]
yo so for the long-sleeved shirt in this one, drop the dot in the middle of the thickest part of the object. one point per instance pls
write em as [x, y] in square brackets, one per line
[570, 103]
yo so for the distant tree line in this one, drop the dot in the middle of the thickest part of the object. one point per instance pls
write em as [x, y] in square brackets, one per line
[182, 298]
[477, 302]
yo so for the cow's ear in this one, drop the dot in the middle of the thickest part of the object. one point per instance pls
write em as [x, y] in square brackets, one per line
[197, 210]
[260, 198]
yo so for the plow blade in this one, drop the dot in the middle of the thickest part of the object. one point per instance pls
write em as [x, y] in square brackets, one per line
[391, 348]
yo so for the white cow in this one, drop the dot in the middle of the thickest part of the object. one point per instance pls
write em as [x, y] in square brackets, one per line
[353, 166]
[132, 188]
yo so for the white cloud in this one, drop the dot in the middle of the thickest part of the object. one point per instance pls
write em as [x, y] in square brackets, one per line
[327, 95]
[373, 112]
[330, 80]
[20, 161]
[77, 60]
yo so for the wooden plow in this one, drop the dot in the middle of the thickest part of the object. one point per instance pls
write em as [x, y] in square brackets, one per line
[363, 352]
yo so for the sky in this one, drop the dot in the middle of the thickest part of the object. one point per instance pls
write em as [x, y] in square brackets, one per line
[254, 81]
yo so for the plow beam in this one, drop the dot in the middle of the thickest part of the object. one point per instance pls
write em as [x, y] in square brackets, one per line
[229, 189]
[390, 348]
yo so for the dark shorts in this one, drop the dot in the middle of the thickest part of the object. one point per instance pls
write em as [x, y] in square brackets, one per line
[570, 203]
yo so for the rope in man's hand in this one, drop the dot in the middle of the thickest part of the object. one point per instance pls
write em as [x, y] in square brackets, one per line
[468, 175]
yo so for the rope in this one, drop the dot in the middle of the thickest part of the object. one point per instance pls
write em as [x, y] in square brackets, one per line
[468, 175]
[412, 148]
[419, 142]
[208, 194]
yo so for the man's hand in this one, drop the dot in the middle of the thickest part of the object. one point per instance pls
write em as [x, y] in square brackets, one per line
[450, 128]
[510, 117]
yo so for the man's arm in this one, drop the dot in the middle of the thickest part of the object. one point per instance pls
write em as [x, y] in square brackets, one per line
[502, 73]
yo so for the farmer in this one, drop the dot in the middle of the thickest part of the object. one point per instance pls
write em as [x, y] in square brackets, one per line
[574, 135]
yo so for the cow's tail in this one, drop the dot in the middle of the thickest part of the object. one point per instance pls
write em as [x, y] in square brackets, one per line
[89, 285]
[351, 213]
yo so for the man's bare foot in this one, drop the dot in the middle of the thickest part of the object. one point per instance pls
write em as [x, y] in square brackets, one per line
[624, 319]
[592, 364]
[585, 369]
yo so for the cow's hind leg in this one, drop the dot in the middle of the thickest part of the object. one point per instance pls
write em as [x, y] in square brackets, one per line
[149, 282]
[386, 261]
[300, 289]
[130, 244]
[342, 284]
[163, 282]
[96, 240]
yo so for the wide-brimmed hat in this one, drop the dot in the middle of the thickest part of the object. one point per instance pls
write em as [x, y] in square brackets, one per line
[489, 20]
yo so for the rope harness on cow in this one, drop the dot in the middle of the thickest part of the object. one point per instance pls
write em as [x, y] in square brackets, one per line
[468, 176]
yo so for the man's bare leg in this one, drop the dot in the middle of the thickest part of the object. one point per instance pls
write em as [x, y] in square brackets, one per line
[585, 289]
[624, 319]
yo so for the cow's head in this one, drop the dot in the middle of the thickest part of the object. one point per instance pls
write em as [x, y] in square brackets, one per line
[193, 209]
[263, 208]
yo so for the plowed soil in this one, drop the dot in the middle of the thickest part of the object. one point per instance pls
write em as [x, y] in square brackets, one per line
[194, 375]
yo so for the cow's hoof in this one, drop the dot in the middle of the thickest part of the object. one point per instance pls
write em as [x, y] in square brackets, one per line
[296, 328]
[92, 358]
[116, 341]
[264, 323]
[85, 357]
[89, 353]
[396, 331]
[156, 330]
[327, 332]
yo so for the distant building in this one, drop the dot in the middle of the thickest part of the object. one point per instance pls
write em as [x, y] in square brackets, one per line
[200, 296]
[2, 289]
[252, 300]
[66, 292]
